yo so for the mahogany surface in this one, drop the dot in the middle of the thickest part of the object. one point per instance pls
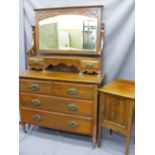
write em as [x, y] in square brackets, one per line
[63, 76]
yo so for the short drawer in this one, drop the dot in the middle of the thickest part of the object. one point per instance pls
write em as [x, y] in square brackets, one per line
[35, 86]
[57, 104]
[35, 61]
[72, 90]
[57, 121]
[90, 64]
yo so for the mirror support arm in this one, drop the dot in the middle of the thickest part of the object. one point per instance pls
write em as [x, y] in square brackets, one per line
[102, 37]
[31, 51]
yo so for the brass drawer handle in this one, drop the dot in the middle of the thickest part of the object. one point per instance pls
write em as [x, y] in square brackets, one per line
[36, 60]
[72, 91]
[72, 107]
[37, 118]
[90, 66]
[35, 102]
[73, 124]
[34, 87]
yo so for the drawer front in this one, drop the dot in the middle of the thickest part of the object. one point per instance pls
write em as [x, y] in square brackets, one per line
[35, 86]
[80, 91]
[57, 104]
[57, 121]
[36, 61]
[90, 64]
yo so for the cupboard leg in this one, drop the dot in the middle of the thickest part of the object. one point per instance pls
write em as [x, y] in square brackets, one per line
[99, 136]
[127, 144]
[129, 131]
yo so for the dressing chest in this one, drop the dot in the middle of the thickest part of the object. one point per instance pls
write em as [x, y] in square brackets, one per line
[59, 88]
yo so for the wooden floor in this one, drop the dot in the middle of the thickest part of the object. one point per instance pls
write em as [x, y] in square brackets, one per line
[41, 141]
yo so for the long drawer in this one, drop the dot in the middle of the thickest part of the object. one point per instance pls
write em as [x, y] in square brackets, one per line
[73, 90]
[35, 86]
[57, 121]
[57, 104]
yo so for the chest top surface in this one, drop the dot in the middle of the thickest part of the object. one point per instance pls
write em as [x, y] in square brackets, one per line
[62, 76]
[120, 87]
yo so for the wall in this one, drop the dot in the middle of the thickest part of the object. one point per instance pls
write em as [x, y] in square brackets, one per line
[118, 16]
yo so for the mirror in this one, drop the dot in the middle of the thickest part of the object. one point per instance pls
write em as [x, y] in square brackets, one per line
[68, 32]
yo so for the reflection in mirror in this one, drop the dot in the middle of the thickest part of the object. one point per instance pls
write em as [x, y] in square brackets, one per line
[75, 32]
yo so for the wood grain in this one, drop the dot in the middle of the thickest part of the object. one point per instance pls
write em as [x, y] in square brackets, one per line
[83, 91]
[57, 104]
[120, 87]
[44, 87]
[63, 76]
[83, 64]
[57, 121]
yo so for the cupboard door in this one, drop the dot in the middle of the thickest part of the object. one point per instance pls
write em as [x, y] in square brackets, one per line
[116, 112]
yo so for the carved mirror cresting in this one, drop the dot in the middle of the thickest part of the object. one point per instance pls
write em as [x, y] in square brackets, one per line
[71, 30]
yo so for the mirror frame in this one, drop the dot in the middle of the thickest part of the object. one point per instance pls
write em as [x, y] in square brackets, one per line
[95, 11]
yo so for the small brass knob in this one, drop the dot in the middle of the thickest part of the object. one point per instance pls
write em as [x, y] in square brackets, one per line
[35, 102]
[72, 107]
[72, 91]
[90, 66]
[37, 118]
[34, 87]
[73, 124]
[36, 60]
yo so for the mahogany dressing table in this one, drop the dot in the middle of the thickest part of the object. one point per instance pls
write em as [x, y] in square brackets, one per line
[59, 88]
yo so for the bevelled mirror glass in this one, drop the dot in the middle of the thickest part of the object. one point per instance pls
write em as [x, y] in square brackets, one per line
[68, 32]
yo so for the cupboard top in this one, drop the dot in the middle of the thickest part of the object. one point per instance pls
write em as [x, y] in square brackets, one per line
[120, 87]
